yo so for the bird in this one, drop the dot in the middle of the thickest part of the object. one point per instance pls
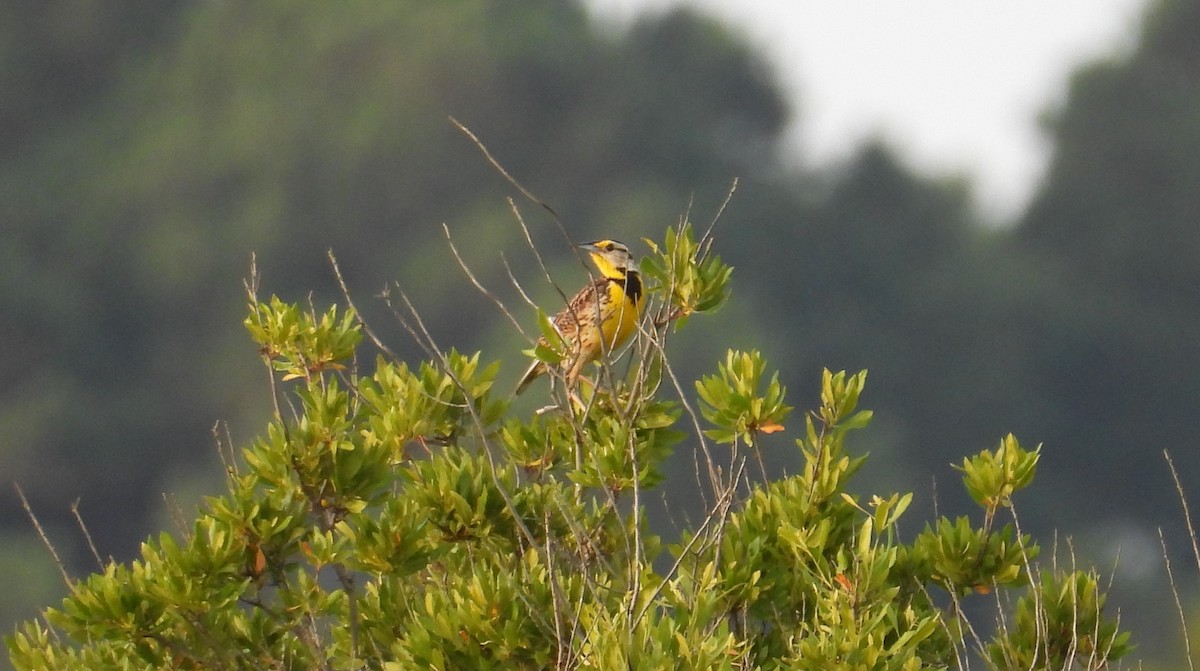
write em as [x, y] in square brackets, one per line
[613, 300]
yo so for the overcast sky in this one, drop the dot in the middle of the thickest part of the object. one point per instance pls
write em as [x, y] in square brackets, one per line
[957, 85]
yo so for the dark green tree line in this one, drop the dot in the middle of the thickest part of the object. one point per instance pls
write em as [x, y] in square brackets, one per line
[1117, 227]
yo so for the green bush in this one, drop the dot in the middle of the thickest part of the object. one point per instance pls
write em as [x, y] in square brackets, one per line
[407, 518]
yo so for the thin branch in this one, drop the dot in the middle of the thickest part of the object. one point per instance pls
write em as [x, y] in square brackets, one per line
[714, 478]
[524, 192]
[251, 285]
[1073, 647]
[86, 534]
[62, 568]
[1035, 585]
[638, 546]
[337, 272]
[555, 588]
[719, 511]
[347, 582]
[499, 168]
[706, 239]
[228, 461]
[533, 248]
[386, 295]
[1187, 514]
[479, 285]
[177, 516]
[520, 289]
[761, 466]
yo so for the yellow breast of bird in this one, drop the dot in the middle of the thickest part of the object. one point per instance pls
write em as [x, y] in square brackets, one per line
[622, 315]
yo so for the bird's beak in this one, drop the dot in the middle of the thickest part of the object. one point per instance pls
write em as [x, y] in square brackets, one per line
[589, 247]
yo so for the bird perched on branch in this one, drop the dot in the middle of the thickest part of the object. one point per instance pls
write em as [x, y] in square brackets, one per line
[602, 316]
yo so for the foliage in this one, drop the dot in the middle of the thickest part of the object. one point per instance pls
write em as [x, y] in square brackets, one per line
[406, 518]
[992, 477]
[1060, 624]
[695, 280]
[731, 401]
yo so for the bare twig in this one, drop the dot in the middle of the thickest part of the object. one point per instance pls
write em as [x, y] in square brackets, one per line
[1035, 583]
[1073, 647]
[1187, 641]
[1187, 514]
[177, 516]
[337, 272]
[520, 289]
[228, 461]
[762, 467]
[516, 212]
[251, 285]
[86, 534]
[714, 477]
[638, 547]
[976, 640]
[707, 239]
[479, 285]
[536, 254]
[719, 513]
[500, 169]
[62, 568]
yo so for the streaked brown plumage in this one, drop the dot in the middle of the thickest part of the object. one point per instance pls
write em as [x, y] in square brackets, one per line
[613, 300]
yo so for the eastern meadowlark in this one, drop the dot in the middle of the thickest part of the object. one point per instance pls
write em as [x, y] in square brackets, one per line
[614, 301]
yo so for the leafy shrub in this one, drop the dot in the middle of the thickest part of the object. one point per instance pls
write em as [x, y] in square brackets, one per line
[407, 518]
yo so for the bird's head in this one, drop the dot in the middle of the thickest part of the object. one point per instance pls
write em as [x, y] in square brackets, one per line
[612, 258]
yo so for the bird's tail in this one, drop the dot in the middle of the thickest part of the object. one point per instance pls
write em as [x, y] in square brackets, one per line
[535, 371]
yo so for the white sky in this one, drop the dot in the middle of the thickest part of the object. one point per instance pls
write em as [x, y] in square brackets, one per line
[956, 85]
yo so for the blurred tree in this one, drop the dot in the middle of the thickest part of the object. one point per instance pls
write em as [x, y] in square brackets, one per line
[288, 129]
[57, 55]
[875, 279]
[1117, 224]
